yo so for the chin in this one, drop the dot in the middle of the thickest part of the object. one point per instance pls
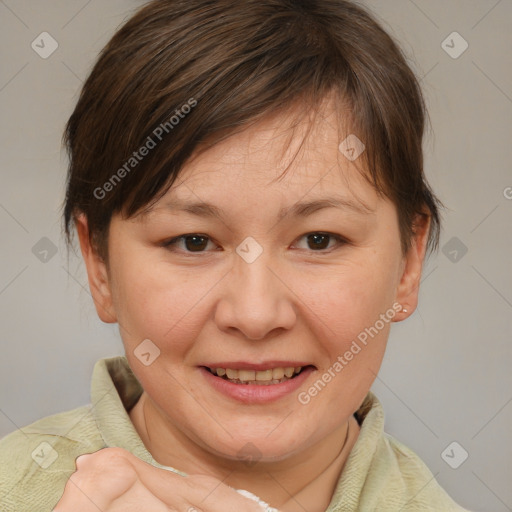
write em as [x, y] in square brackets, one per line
[256, 448]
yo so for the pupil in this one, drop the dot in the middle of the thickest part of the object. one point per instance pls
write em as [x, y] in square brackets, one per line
[192, 242]
[198, 242]
[318, 238]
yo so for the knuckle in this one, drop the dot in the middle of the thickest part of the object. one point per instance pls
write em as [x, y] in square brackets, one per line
[114, 453]
[82, 461]
[109, 467]
[106, 475]
[102, 458]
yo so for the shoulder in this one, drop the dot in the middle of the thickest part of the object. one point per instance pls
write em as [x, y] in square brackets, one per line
[385, 475]
[37, 460]
[414, 480]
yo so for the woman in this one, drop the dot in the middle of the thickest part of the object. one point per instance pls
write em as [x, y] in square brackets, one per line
[246, 181]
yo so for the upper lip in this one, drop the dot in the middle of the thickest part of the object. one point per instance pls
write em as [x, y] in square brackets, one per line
[267, 365]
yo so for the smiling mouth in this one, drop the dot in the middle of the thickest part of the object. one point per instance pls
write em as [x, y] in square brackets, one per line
[258, 378]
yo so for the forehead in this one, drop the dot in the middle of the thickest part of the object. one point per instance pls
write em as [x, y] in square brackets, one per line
[290, 154]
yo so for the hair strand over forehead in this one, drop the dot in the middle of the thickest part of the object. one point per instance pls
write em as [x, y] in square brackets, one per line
[238, 62]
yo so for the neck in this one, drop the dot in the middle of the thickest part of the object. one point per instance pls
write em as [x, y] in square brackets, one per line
[305, 483]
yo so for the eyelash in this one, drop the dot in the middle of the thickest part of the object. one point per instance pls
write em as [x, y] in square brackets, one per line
[171, 244]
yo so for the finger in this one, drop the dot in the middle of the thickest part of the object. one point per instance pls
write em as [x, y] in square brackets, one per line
[100, 478]
[203, 493]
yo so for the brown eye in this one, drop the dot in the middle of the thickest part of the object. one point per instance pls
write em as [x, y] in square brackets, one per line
[318, 242]
[195, 243]
[190, 243]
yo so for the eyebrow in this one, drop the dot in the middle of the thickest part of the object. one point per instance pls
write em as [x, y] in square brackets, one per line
[300, 209]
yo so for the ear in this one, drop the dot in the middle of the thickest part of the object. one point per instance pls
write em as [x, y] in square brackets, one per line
[99, 282]
[409, 286]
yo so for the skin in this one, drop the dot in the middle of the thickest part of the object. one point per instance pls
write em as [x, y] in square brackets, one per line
[294, 302]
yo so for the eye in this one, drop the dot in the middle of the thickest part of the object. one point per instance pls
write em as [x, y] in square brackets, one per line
[319, 241]
[197, 243]
[193, 242]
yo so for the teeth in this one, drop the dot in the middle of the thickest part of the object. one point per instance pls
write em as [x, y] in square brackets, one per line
[278, 373]
[264, 377]
[246, 375]
[231, 374]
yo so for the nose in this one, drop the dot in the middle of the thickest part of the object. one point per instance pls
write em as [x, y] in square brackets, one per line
[255, 300]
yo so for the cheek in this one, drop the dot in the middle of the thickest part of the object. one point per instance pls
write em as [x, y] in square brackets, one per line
[348, 298]
[156, 303]
[337, 301]
[350, 312]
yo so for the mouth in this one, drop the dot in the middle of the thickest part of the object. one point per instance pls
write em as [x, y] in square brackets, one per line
[265, 377]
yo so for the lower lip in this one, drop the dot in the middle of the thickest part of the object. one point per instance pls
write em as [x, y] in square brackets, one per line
[254, 393]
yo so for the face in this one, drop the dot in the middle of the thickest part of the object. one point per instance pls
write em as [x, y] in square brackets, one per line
[258, 287]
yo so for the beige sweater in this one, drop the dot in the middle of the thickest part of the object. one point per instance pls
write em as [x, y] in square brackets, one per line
[380, 475]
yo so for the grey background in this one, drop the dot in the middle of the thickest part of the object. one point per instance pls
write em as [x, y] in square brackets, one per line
[446, 376]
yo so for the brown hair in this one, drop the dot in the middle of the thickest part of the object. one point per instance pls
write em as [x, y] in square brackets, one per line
[190, 70]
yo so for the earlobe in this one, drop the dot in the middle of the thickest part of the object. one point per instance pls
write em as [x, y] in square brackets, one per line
[408, 288]
[99, 282]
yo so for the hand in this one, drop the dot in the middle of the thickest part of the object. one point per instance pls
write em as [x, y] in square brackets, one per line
[114, 480]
